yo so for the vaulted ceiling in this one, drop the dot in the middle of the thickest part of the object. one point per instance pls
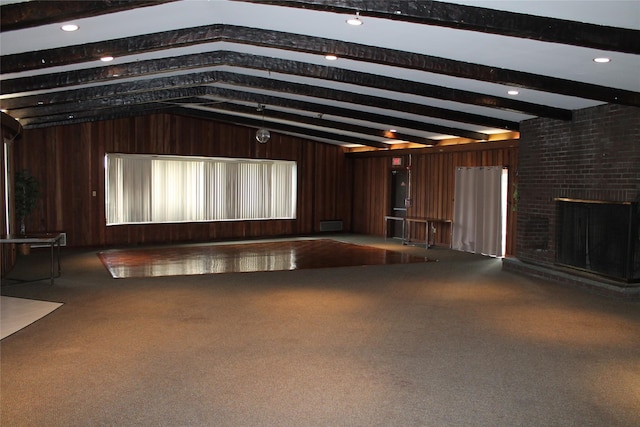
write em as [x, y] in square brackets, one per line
[417, 72]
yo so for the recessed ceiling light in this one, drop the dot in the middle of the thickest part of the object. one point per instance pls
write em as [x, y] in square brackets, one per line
[330, 57]
[106, 58]
[392, 130]
[602, 60]
[69, 27]
[513, 92]
[355, 21]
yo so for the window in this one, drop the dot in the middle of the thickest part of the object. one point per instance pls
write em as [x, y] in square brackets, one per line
[144, 188]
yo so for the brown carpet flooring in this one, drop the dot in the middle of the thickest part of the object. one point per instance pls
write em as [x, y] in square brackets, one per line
[456, 342]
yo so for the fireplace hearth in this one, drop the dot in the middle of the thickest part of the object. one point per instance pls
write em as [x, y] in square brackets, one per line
[599, 237]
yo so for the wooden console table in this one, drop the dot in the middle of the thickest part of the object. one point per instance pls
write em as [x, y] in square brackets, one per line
[51, 239]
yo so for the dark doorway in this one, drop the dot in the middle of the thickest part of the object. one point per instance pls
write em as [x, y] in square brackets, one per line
[399, 186]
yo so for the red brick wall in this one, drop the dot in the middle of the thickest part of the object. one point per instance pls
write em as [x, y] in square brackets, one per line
[596, 156]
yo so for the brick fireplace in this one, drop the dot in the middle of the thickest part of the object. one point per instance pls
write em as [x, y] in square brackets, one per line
[593, 159]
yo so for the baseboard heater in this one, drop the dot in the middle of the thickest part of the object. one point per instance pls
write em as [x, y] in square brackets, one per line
[330, 225]
[63, 242]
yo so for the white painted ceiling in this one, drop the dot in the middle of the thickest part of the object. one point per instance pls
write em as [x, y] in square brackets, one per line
[550, 59]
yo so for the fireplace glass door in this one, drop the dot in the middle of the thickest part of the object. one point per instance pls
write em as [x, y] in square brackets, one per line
[599, 237]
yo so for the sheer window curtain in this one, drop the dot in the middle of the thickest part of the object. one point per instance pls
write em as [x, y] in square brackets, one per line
[479, 212]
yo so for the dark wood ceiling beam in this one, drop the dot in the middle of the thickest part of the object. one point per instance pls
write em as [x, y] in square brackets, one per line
[116, 89]
[479, 19]
[95, 97]
[76, 54]
[292, 42]
[82, 95]
[18, 16]
[319, 122]
[145, 109]
[334, 74]
[392, 84]
[322, 109]
[262, 83]
[191, 95]
[253, 82]
[90, 116]
[277, 127]
[170, 95]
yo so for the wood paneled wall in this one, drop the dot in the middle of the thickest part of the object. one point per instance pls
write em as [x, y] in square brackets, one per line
[432, 184]
[69, 162]
[332, 185]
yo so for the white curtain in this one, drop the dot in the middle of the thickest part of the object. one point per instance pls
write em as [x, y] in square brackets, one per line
[158, 189]
[479, 210]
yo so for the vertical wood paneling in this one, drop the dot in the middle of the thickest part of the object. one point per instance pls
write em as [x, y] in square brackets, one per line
[371, 178]
[354, 188]
[73, 167]
[432, 182]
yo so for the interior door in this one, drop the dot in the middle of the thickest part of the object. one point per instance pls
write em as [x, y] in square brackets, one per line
[399, 185]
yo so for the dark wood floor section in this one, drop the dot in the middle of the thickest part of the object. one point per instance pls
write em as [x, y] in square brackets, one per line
[246, 257]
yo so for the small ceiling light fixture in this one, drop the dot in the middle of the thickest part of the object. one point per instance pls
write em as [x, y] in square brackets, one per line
[330, 57]
[106, 58]
[355, 21]
[262, 135]
[513, 92]
[602, 60]
[69, 27]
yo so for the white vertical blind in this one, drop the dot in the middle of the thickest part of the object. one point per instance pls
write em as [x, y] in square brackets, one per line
[479, 213]
[284, 189]
[128, 173]
[157, 189]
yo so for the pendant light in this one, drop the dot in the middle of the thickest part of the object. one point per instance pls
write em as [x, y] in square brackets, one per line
[262, 134]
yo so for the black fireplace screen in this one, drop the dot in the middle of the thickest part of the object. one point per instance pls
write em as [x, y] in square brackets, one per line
[599, 237]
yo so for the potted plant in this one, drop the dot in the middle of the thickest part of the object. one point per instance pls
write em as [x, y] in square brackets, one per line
[27, 191]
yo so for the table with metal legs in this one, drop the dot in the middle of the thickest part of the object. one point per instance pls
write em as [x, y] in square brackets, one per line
[429, 229]
[388, 218]
[51, 239]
